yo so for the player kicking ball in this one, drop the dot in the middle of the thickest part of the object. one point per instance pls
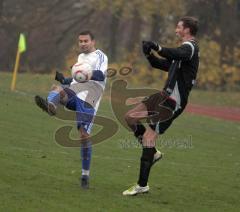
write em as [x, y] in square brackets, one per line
[162, 108]
[81, 93]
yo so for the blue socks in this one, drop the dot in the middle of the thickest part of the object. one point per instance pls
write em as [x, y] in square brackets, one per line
[86, 154]
[54, 97]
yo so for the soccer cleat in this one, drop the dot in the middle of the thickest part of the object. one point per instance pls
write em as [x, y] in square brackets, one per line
[85, 182]
[46, 106]
[52, 109]
[136, 189]
[157, 156]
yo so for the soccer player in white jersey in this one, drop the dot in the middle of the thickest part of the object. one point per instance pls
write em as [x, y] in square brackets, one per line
[84, 98]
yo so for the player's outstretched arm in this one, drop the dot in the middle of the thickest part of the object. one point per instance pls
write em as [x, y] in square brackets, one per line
[184, 52]
[159, 63]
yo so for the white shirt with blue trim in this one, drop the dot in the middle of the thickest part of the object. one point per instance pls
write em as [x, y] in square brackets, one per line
[98, 60]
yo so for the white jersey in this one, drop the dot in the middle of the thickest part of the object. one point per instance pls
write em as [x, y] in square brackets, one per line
[98, 60]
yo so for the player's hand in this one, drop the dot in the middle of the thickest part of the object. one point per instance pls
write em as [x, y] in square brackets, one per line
[59, 77]
[155, 46]
[146, 48]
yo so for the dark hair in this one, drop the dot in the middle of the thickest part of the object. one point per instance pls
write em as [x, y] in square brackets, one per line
[191, 23]
[87, 32]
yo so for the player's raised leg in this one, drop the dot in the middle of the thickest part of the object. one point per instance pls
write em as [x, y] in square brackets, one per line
[55, 96]
[133, 118]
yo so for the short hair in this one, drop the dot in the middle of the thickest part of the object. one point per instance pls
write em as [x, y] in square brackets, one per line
[87, 32]
[191, 23]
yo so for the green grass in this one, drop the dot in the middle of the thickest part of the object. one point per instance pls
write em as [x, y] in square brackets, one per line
[200, 170]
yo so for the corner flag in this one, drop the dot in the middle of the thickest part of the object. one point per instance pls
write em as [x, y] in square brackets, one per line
[21, 48]
[22, 43]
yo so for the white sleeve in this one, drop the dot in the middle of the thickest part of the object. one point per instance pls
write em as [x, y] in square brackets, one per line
[102, 63]
[79, 60]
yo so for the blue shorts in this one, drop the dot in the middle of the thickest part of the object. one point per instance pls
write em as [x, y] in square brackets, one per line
[84, 111]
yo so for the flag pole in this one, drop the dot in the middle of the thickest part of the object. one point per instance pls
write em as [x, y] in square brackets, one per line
[14, 79]
[21, 48]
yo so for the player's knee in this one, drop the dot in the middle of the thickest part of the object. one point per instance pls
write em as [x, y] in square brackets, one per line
[83, 134]
[56, 88]
[84, 139]
[149, 143]
[63, 96]
[149, 138]
[129, 119]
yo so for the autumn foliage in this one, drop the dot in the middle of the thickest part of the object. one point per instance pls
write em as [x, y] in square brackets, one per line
[52, 27]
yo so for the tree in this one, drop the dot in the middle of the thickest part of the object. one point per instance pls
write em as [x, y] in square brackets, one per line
[51, 28]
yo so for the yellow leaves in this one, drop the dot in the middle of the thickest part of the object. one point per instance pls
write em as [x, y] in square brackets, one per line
[232, 74]
[214, 74]
[145, 8]
[217, 32]
[236, 53]
[230, 2]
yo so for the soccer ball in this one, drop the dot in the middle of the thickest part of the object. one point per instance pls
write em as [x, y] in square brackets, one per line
[82, 72]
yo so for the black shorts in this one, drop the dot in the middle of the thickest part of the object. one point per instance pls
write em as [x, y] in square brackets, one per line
[161, 111]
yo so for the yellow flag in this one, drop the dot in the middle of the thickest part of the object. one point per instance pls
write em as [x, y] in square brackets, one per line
[22, 43]
[21, 48]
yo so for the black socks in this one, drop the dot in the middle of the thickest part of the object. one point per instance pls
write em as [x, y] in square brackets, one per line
[140, 130]
[145, 165]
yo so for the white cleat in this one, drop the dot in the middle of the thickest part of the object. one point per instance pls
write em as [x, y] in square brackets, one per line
[157, 156]
[136, 189]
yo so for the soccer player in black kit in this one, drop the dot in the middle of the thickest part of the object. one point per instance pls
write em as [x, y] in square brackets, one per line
[163, 107]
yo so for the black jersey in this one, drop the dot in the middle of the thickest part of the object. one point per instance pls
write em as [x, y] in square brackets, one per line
[181, 64]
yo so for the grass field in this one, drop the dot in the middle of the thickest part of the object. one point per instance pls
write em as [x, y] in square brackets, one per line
[200, 170]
